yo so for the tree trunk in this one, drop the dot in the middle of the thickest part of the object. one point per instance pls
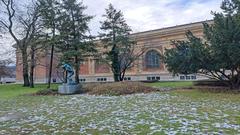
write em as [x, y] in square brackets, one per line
[116, 78]
[65, 77]
[50, 68]
[234, 82]
[116, 75]
[51, 59]
[122, 76]
[116, 67]
[77, 75]
[32, 66]
[77, 67]
[115, 70]
[115, 62]
[235, 86]
[25, 68]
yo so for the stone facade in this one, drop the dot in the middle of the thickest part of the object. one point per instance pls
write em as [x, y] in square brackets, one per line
[144, 69]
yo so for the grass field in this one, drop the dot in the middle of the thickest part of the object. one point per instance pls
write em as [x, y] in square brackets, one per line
[14, 90]
[171, 84]
[175, 112]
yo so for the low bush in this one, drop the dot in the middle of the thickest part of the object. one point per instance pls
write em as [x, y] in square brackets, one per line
[210, 83]
[213, 86]
[117, 89]
[46, 92]
[216, 89]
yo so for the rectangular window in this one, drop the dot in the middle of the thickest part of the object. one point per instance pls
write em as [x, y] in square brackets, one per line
[101, 79]
[54, 80]
[82, 80]
[182, 77]
[82, 62]
[188, 77]
[154, 78]
[194, 77]
[127, 78]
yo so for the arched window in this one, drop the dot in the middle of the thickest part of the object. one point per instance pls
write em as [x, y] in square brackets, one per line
[152, 59]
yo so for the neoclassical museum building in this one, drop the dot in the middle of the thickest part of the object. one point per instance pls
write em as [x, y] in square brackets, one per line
[149, 67]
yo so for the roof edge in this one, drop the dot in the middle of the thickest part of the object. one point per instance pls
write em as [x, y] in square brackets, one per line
[170, 27]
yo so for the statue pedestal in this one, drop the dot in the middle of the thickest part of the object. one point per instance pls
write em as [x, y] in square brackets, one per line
[67, 89]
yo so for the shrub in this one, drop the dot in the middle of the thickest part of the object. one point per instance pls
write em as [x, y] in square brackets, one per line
[210, 83]
[117, 89]
[218, 90]
[46, 92]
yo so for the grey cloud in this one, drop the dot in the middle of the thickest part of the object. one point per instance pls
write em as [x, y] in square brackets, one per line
[144, 15]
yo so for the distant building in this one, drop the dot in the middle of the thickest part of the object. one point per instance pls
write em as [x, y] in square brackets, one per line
[149, 67]
[11, 75]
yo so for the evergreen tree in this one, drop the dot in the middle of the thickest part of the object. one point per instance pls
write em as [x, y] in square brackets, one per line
[115, 38]
[49, 11]
[218, 57]
[75, 40]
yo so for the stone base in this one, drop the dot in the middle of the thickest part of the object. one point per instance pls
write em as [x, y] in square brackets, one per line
[68, 89]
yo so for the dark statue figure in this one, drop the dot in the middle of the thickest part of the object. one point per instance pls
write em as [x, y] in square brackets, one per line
[70, 72]
[70, 87]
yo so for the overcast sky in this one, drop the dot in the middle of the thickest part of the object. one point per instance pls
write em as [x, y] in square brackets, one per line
[144, 15]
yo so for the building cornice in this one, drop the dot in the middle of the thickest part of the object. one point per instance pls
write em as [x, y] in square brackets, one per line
[172, 28]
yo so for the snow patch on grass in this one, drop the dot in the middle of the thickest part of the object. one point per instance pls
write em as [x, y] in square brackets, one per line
[132, 114]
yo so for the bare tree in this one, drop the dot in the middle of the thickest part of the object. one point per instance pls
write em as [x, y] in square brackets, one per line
[22, 28]
[3, 68]
[127, 58]
[36, 40]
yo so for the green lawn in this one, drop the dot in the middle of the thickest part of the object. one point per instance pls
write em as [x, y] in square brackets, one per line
[171, 84]
[14, 90]
[174, 112]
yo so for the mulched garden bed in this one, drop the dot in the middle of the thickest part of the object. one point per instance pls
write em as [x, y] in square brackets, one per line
[46, 92]
[117, 89]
